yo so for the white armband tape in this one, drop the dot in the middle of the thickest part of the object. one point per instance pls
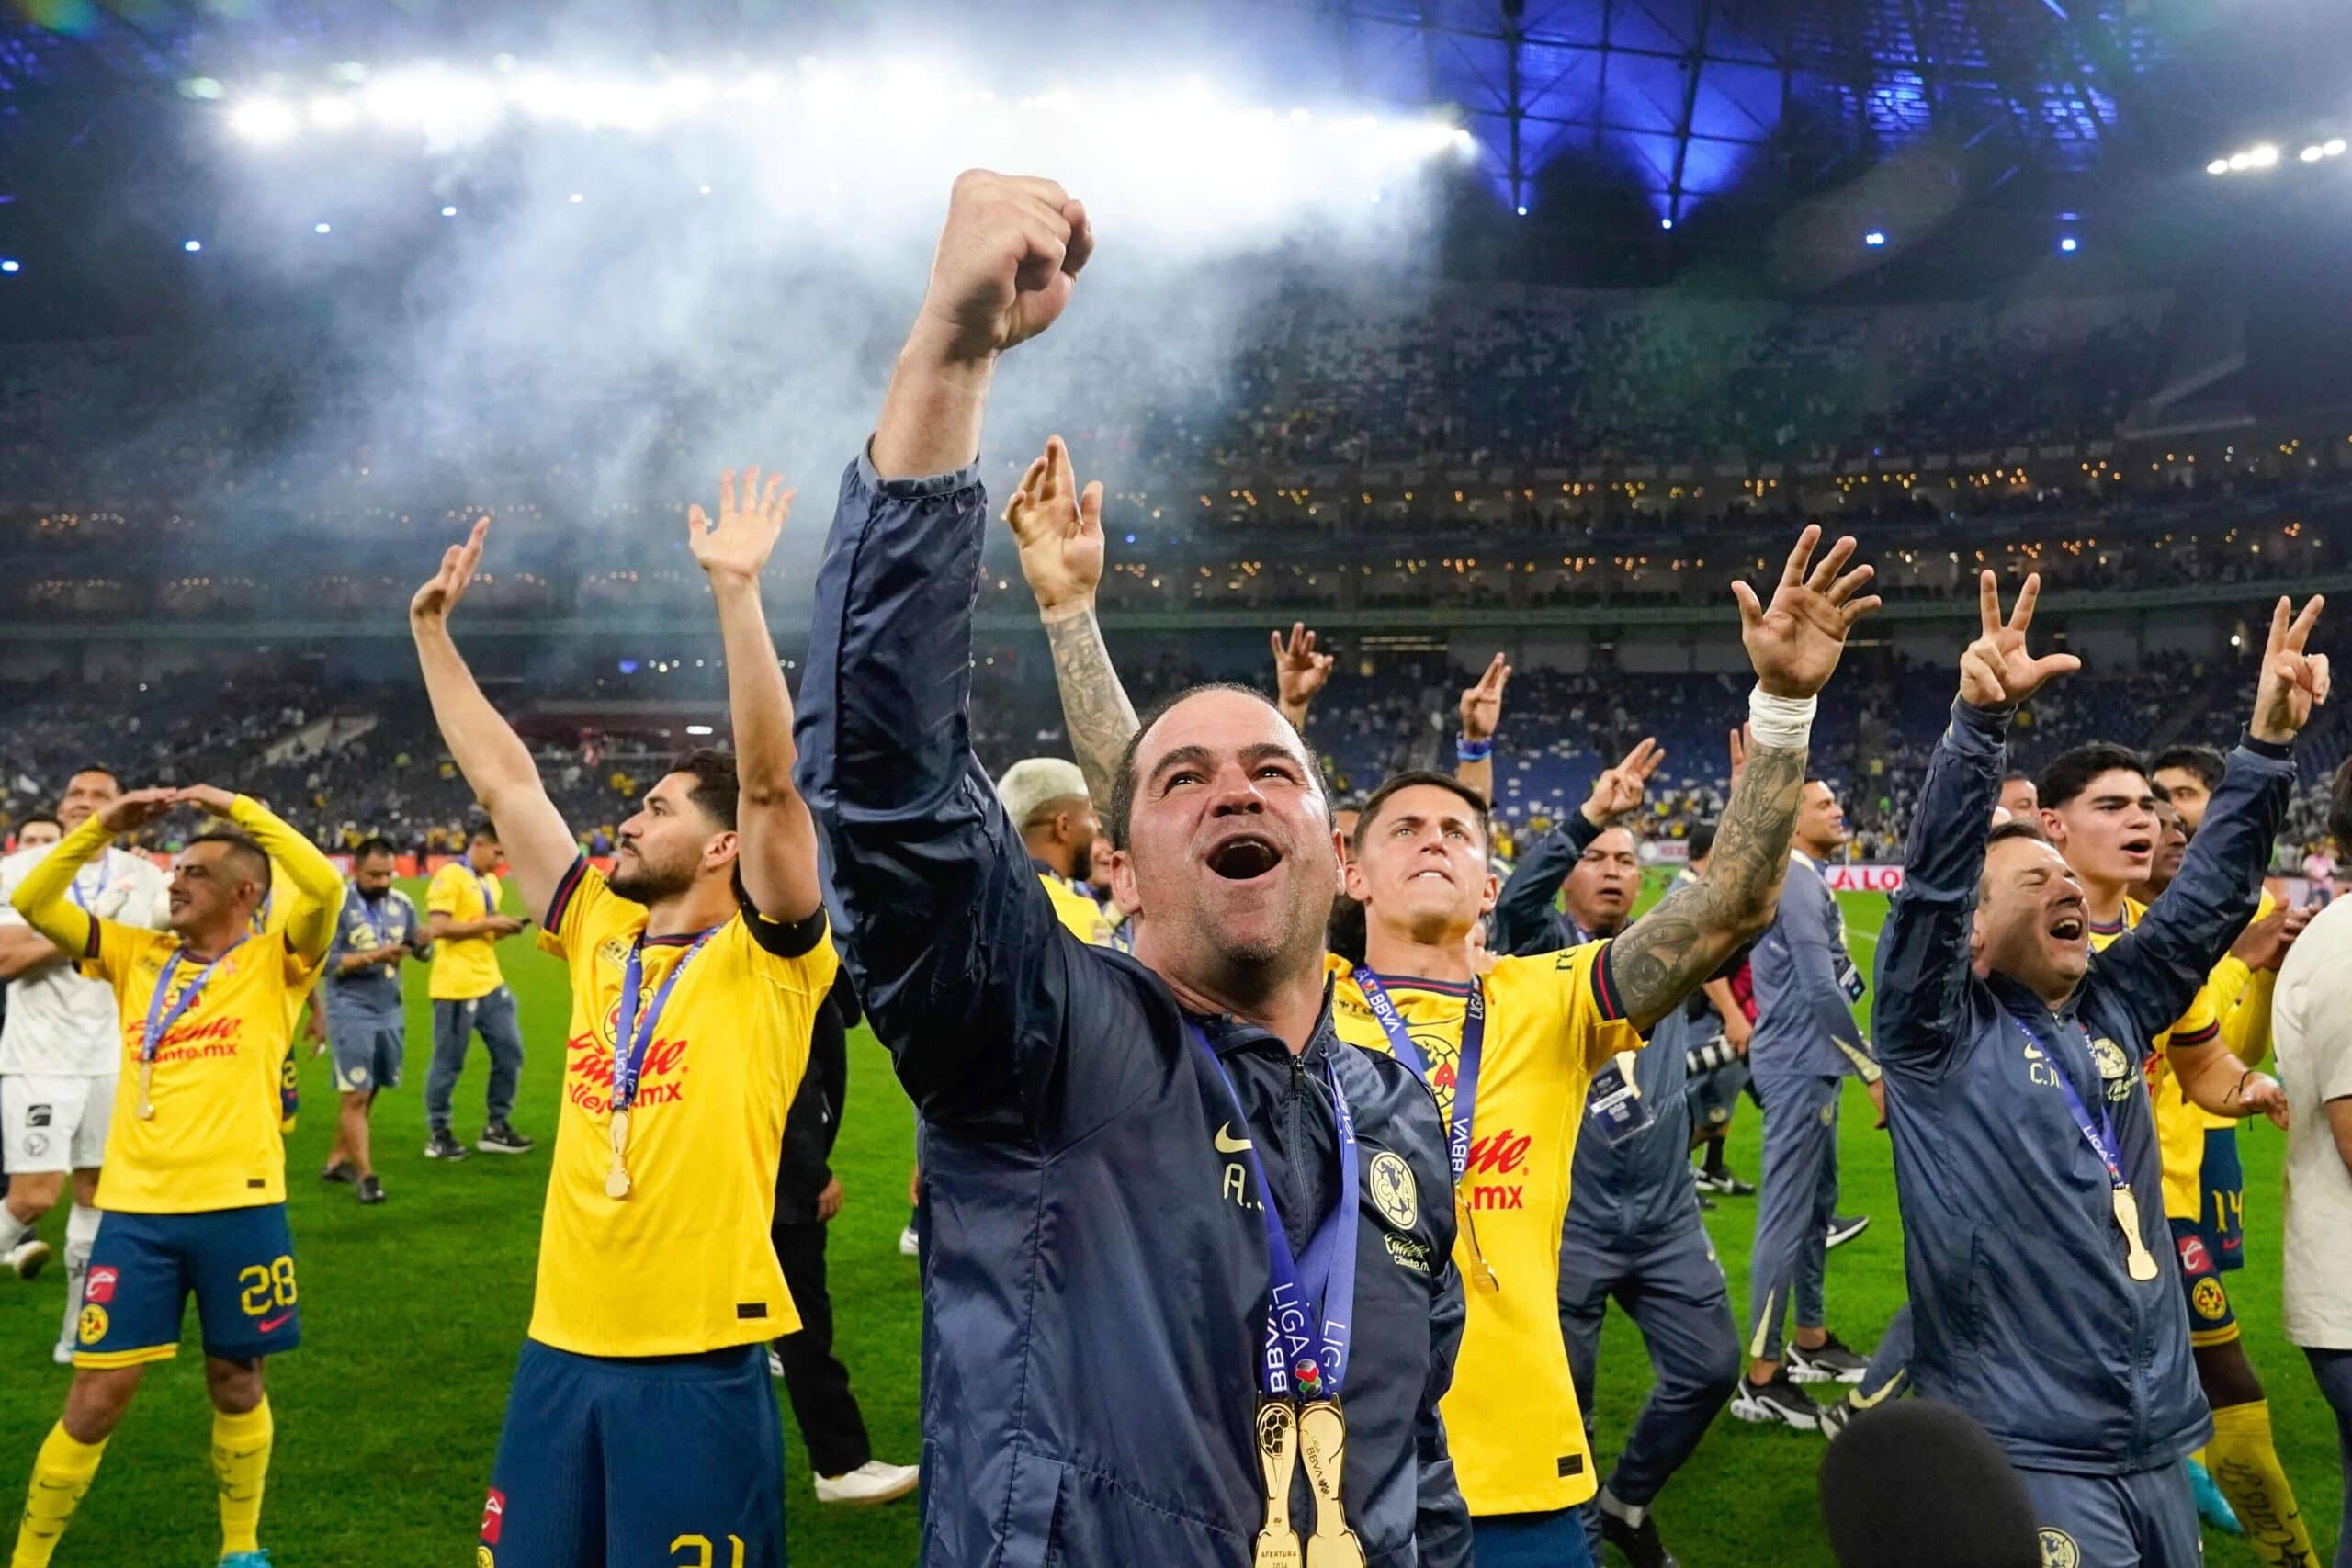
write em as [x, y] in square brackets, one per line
[1784, 724]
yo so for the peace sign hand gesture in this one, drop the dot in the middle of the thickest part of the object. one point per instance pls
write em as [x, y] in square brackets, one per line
[2293, 682]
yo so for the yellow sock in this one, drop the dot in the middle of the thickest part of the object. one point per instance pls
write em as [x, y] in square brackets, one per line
[241, 1464]
[62, 1472]
[2245, 1463]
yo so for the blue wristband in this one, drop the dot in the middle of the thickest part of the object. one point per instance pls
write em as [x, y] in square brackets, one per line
[1469, 750]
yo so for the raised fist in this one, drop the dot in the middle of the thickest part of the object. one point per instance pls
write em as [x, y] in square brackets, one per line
[1008, 260]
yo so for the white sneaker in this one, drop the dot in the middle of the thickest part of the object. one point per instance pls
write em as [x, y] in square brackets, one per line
[25, 1259]
[62, 1352]
[872, 1482]
[909, 1244]
[775, 1364]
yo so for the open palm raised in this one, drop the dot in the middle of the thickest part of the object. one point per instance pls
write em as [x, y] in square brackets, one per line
[1794, 643]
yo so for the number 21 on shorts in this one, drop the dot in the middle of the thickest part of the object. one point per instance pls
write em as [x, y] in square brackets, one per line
[705, 1558]
[263, 1287]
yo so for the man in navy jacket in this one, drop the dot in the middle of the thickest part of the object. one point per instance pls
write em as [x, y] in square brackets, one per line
[1114, 1146]
[2044, 1297]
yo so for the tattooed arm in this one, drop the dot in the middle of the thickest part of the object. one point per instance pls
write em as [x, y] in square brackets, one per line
[1793, 644]
[1094, 706]
[1669, 953]
[1058, 528]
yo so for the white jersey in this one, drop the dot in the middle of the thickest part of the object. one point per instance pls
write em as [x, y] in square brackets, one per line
[60, 1024]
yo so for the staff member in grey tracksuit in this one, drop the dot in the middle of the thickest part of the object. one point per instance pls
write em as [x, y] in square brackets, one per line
[2045, 1293]
[1805, 1044]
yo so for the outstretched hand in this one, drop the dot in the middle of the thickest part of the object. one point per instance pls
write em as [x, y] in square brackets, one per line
[1007, 263]
[1995, 670]
[1059, 529]
[433, 602]
[1620, 790]
[134, 810]
[1482, 702]
[2293, 682]
[739, 544]
[1300, 673]
[1795, 643]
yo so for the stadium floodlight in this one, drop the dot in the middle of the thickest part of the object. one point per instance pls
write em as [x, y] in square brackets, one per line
[2313, 154]
[1874, 239]
[2333, 146]
[2240, 162]
[191, 246]
[264, 121]
[332, 111]
[2068, 245]
[2261, 157]
[322, 227]
[577, 198]
[1666, 223]
[699, 729]
[2218, 166]
[448, 212]
[10, 264]
[1522, 211]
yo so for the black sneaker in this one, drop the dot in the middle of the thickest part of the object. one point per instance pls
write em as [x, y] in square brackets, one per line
[441, 1146]
[1779, 1401]
[1836, 1416]
[1829, 1361]
[1639, 1543]
[1725, 1183]
[498, 1138]
[1844, 1228]
[371, 1189]
[342, 1171]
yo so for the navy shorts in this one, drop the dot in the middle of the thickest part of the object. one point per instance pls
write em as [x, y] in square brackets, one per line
[238, 1262]
[1555, 1539]
[2144, 1520]
[669, 1460]
[2221, 1182]
[2211, 1319]
[367, 1049]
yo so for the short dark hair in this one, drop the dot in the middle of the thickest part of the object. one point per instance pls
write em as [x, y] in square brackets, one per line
[2339, 806]
[1702, 839]
[32, 817]
[2071, 773]
[253, 860]
[2205, 762]
[1421, 778]
[1121, 812]
[716, 788]
[483, 832]
[2015, 828]
[368, 848]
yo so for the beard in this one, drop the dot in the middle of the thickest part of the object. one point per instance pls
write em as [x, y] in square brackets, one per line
[649, 882]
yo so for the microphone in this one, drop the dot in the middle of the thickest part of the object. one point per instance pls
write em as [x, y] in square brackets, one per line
[1919, 1485]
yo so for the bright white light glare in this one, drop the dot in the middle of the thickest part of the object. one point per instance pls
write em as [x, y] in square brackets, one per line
[2333, 147]
[697, 729]
[2240, 161]
[2261, 157]
[2218, 166]
[1522, 212]
[2068, 245]
[11, 266]
[322, 227]
[263, 120]
[577, 198]
[1874, 239]
[334, 113]
[2313, 154]
[191, 246]
[1666, 222]
[448, 212]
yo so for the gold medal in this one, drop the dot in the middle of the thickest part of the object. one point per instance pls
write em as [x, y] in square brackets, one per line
[2138, 1261]
[617, 1182]
[146, 1092]
[1278, 1458]
[1323, 1443]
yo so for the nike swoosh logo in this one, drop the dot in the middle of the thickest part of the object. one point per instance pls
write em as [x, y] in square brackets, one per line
[1872, 1402]
[1226, 1144]
[272, 1325]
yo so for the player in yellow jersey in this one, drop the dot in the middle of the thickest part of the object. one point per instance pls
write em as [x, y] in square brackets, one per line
[641, 1427]
[1523, 1057]
[194, 1186]
[1046, 798]
[470, 997]
[2099, 807]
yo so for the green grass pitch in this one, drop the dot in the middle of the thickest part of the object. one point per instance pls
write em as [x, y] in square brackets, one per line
[412, 1313]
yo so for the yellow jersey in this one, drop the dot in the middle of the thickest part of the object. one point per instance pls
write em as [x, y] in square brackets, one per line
[1080, 915]
[214, 1140]
[465, 968]
[683, 1264]
[1511, 1417]
[2180, 1126]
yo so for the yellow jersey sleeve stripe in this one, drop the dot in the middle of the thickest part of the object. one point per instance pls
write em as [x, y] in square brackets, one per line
[564, 889]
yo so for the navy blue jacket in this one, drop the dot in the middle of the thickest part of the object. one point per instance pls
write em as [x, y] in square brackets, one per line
[1096, 1267]
[2025, 1316]
[1525, 920]
[1632, 1195]
[1805, 986]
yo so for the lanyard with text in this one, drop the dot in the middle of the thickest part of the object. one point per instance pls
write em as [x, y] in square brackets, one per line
[2100, 1133]
[73, 888]
[160, 1022]
[488, 896]
[1310, 1306]
[1466, 1095]
[631, 1038]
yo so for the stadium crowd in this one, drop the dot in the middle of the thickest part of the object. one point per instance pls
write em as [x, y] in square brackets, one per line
[1285, 1118]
